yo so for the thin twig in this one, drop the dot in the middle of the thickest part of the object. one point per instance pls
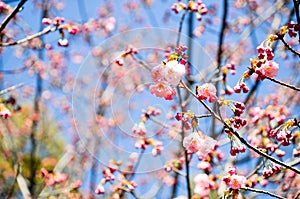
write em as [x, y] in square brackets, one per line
[288, 46]
[262, 191]
[187, 177]
[283, 84]
[12, 14]
[30, 37]
[7, 90]
[180, 27]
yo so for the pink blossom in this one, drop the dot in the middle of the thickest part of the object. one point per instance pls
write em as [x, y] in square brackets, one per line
[237, 181]
[162, 90]
[139, 129]
[157, 73]
[46, 21]
[73, 30]
[232, 170]
[173, 71]
[203, 184]
[204, 165]
[270, 68]
[100, 189]
[207, 91]
[198, 142]
[4, 112]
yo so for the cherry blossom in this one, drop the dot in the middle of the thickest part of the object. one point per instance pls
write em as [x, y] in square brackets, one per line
[203, 185]
[207, 91]
[199, 142]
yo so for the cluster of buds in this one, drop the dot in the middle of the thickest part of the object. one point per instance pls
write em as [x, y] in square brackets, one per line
[129, 51]
[241, 86]
[51, 178]
[198, 7]
[292, 28]
[237, 122]
[57, 23]
[142, 143]
[108, 175]
[264, 66]
[228, 67]
[237, 149]
[185, 117]
[174, 164]
[271, 169]
[236, 145]
[140, 129]
[237, 107]
[282, 133]
[130, 185]
[168, 74]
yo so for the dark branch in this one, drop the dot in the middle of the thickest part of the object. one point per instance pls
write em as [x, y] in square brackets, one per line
[12, 14]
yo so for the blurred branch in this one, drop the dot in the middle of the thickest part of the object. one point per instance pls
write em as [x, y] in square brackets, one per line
[180, 27]
[7, 90]
[219, 60]
[12, 14]
[262, 191]
[296, 7]
[23, 187]
[12, 188]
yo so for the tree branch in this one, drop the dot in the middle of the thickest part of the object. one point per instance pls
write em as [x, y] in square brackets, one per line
[12, 14]
[288, 46]
[283, 84]
[263, 192]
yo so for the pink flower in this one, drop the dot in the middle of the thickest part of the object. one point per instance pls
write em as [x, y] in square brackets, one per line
[232, 171]
[270, 69]
[204, 165]
[198, 142]
[100, 189]
[157, 73]
[73, 30]
[46, 21]
[162, 89]
[4, 112]
[237, 181]
[207, 91]
[173, 71]
[139, 129]
[203, 184]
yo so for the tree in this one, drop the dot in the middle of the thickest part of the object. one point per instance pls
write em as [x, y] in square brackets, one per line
[150, 112]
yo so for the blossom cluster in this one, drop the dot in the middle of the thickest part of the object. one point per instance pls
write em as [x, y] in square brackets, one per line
[168, 74]
[140, 131]
[57, 22]
[199, 143]
[198, 7]
[233, 180]
[207, 91]
[291, 28]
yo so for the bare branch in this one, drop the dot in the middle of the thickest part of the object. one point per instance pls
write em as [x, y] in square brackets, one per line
[12, 14]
